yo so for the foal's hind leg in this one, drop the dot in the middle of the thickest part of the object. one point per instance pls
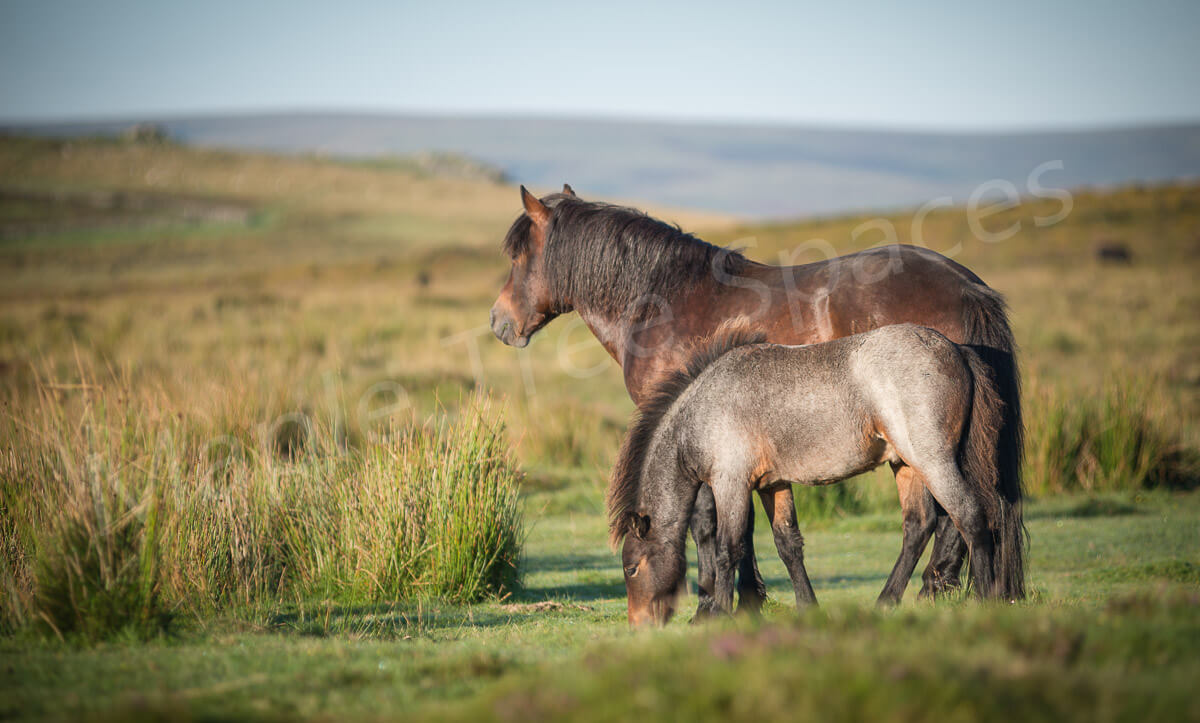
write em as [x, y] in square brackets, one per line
[946, 561]
[781, 510]
[919, 512]
[952, 492]
[704, 532]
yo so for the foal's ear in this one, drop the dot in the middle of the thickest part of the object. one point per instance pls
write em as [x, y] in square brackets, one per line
[535, 209]
[640, 526]
[568, 191]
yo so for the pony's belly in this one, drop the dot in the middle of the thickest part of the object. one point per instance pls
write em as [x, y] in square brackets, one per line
[837, 463]
[833, 477]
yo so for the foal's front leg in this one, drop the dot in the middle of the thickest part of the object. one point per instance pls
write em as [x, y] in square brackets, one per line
[752, 592]
[781, 510]
[704, 532]
[733, 504]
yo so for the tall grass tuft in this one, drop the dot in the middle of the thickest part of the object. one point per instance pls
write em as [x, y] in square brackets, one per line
[431, 510]
[117, 517]
[82, 514]
[1108, 442]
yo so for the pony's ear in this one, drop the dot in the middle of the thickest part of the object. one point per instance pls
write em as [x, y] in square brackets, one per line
[568, 191]
[535, 209]
[640, 526]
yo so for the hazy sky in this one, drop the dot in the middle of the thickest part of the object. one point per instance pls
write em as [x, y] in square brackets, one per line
[938, 65]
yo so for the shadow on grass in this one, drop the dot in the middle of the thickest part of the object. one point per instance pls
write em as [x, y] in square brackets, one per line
[591, 577]
[594, 576]
[606, 561]
[581, 592]
[1090, 507]
[1171, 571]
[829, 581]
[385, 620]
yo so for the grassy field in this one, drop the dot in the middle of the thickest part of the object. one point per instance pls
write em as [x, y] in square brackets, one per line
[310, 309]
[1110, 634]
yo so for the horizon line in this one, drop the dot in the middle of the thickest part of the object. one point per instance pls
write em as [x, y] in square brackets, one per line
[595, 117]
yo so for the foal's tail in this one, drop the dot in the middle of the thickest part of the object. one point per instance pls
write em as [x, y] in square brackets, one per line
[981, 460]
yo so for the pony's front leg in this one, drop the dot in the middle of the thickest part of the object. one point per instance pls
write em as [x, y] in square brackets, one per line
[781, 510]
[704, 532]
[732, 510]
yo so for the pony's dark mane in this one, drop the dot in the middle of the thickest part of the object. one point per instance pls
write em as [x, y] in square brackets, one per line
[627, 473]
[613, 259]
[516, 241]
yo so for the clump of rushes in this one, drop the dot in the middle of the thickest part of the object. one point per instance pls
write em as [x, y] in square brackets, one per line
[81, 519]
[430, 510]
[117, 517]
[1106, 442]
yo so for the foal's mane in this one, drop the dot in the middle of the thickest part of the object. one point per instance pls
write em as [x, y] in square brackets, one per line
[611, 257]
[627, 473]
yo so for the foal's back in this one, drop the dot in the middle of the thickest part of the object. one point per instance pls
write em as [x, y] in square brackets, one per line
[820, 413]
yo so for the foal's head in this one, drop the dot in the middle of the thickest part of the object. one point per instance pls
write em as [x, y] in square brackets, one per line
[525, 303]
[654, 572]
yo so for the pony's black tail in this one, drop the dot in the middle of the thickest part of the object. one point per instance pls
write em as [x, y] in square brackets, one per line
[992, 454]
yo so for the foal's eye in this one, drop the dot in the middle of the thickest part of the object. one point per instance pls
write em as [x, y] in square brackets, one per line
[631, 571]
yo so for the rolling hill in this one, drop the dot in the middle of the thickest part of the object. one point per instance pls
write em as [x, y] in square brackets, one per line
[759, 171]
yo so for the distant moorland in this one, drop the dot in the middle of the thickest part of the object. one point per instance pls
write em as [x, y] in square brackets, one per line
[761, 171]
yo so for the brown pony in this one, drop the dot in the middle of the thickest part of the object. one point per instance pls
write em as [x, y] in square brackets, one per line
[650, 292]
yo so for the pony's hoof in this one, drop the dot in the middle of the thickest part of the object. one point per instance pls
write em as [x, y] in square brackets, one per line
[707, 610]
[751, 602]
[934, 589]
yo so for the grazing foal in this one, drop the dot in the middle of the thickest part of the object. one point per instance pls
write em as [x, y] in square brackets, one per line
[762, 417]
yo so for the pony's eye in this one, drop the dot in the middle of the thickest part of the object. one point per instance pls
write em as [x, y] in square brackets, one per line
[631, 571]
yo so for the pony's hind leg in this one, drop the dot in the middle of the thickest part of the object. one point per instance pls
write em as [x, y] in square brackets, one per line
[704, 532]
[945, 563]
[919, 512]
[752, 591]
[961, 502]
[781, 510]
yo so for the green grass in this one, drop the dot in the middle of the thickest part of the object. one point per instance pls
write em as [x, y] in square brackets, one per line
[1113, 625]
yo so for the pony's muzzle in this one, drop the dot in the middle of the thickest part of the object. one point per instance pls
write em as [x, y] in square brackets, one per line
[506, 330]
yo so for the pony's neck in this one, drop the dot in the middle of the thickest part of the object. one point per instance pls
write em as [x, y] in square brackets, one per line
[611, 330]
[621, 269]
[635, 329]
